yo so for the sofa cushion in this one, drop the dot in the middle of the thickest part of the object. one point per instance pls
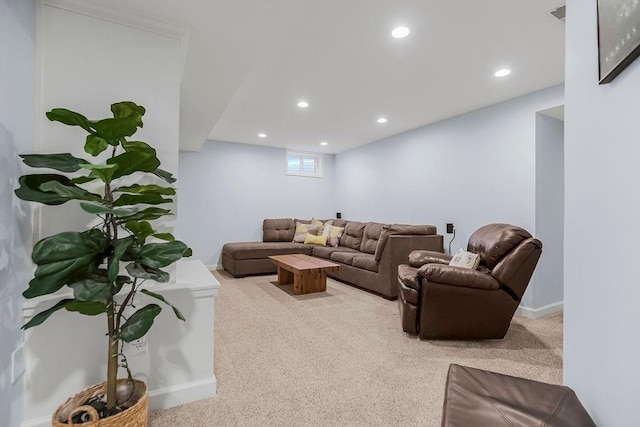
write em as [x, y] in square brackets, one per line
[334, 234]
[278, 230]
[370, 237]
[302, 230]
[368, 262]
[344, 257]
[493, 241]
[326, 251]
[352, 236]
[315, 240]
[322, 225]
[255, 250]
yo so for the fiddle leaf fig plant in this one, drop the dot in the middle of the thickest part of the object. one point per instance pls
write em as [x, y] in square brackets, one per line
[92, 263]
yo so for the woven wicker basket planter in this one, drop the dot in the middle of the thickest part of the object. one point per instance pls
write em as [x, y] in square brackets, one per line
[135, 416]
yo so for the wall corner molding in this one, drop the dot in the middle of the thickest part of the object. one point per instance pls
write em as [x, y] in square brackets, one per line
[536, 313]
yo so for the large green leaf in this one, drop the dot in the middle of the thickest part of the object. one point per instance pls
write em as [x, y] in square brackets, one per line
[120, 246]
[60, 258]
[140, 146]
[140, 229]
[83, 179]
[146, 189]
[161, 298]
[69, 117]
[30, 189]
[160, 255]
[87, 308]
[137, 199]
[134, 161]
[147, 214]
[143, 272]
[139, 323]
[96, 288]
[167, 176]
[63, 162]
[128, 109]
[70, 192]
[95, 145]
[164, 236]
[112, 130]
[44, 315]
[103, 172]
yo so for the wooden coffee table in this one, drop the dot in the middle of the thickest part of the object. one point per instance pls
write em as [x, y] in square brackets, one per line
[308, 274]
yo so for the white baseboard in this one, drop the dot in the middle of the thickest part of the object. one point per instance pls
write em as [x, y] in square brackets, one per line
[163, 398]
[536, 313]
[212, 267]
[180, 394]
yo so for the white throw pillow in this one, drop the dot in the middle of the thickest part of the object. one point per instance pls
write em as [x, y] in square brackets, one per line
[465, 259]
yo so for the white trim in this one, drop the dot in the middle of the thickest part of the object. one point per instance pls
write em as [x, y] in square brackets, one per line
[536, 313]
[215, 267]
[180, 394]
[159, 399]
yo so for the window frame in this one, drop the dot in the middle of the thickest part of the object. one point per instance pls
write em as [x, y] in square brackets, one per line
[318, 157]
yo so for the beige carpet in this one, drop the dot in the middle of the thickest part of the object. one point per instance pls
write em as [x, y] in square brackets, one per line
[340, 358]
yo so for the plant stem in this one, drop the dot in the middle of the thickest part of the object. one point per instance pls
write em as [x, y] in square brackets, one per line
[112, 364]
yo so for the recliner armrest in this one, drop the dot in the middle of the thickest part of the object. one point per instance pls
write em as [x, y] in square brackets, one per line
[421, 257]
[458, 276]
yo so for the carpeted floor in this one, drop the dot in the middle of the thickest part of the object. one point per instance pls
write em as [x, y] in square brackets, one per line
[340, 358]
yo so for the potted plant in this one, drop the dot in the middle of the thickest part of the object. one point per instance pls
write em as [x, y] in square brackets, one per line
[108, 264]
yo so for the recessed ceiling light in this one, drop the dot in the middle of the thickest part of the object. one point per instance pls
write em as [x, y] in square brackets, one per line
[303, 104]
[502, 73]
[400, 32]
[262, 135]
[323, 143]
[382, 120]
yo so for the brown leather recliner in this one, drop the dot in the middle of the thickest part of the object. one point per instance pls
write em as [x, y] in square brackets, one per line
[439, 301]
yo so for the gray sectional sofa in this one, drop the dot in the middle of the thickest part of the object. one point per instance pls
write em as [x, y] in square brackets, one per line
[368, 252]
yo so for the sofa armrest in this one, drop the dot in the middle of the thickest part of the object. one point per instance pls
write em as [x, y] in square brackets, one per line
[458, 276]
[422, 257]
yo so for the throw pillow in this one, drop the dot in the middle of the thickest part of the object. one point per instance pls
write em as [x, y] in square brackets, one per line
[302, 230]
[334, 235]
[322, 226]
[465, 259]
[310, 239]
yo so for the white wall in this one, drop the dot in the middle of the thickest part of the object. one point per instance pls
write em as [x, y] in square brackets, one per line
[17, 110]
[470, 170]
[86, 63]
[549, 210]
[227, 189]
[602, 207]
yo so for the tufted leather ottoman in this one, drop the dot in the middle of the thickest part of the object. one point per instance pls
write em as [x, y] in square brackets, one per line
[478, 398]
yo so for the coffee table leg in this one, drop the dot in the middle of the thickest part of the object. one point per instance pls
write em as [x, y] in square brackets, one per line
[285, 277]
[309, 282]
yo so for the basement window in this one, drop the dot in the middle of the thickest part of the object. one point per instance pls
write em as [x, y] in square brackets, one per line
[301, 163]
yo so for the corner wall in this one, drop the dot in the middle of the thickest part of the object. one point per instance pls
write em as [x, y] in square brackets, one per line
[470, 170]
[227, 189]
[17, 110]
[602, 284]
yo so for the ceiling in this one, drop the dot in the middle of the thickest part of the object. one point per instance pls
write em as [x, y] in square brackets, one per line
[249, 62]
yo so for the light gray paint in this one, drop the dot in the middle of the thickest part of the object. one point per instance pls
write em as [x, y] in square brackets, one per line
[227, 189]
[549, 210]
[471, 170]
[17, 106]
[602, 211]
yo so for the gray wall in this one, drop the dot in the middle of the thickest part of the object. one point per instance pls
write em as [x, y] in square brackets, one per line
[549, 210]
[602, 227]
[470, 170]
[227, 189]
[17, 78]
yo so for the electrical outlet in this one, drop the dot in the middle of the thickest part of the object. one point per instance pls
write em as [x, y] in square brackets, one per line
[17, 363]
[338, 215]
[137, 347]
[449, 228]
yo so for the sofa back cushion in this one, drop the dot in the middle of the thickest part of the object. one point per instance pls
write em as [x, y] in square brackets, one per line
[494, 241]
[352, 235]
[370, 236]
[278, 230]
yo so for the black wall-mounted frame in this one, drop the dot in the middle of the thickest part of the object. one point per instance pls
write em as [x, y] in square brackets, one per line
[618, 36]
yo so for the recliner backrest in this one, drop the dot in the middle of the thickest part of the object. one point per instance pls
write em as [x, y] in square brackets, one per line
[516, 268]
[493, 241]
